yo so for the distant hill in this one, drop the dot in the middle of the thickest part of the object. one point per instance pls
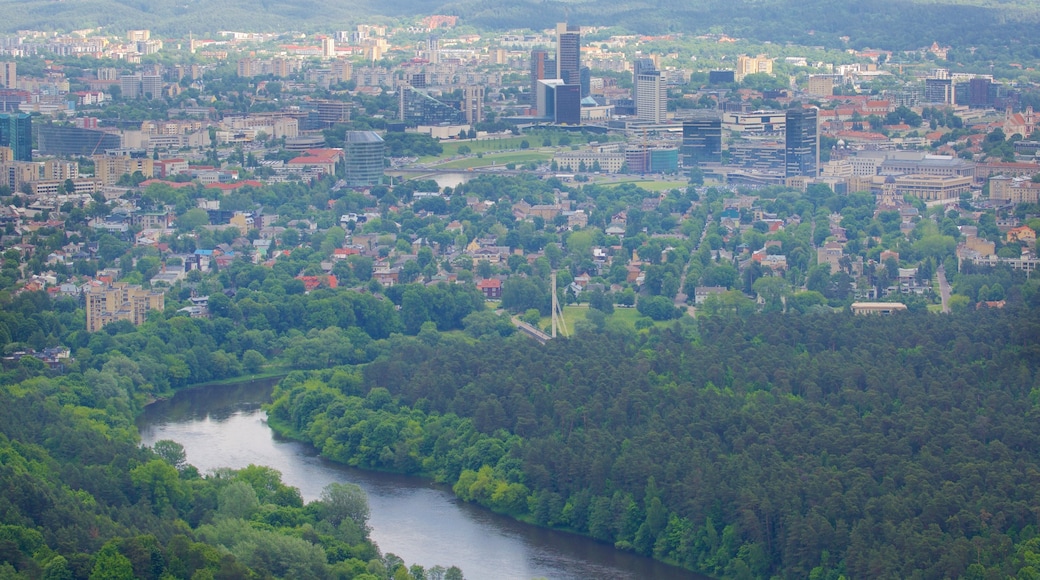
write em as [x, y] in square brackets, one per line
[898, 24]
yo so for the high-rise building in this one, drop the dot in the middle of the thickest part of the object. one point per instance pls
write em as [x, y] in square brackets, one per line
[821, 85]
[110, 167]
[559, 102]
[979, 92]
[702, 140]
[938, 90]
[16, 133]
[473, 104]
[418, 107]
[641, 66]
[802, 143]
[542, 67]
[568, 53]
[9, 75]
[120, 301]
[364, 158]
[342, 70]
[247, 67]
[749, 65]
[328, 47]
[130, 86]
[568, 104]
[327, 113]
[72, 141]
[651, 97]
[433, 50]
[151, 86]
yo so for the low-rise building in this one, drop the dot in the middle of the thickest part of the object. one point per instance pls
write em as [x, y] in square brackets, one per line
[878, 308]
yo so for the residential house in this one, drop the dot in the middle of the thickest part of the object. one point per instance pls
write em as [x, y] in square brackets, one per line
[701, 293]
[491, 288]
[313, 282]
[1024, 234]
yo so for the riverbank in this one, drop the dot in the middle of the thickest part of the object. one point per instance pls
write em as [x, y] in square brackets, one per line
[415, 519]
[347, 439]
[275, 373]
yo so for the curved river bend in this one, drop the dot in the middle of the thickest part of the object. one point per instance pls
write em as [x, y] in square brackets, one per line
[423, 523]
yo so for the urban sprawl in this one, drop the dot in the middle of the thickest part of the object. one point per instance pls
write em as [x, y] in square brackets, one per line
[133, 165]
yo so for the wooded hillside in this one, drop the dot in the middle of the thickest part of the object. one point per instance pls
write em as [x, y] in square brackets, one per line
[800, 446]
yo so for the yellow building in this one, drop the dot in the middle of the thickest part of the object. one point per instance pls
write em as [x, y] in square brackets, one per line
[119, 301]
[14, 174]
[821, 85]
[933, 187]
[109, 168]
[749, 65]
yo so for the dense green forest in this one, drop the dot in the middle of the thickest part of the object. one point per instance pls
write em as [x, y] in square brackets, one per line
[770, 445]
[895, 24]
[81, 499]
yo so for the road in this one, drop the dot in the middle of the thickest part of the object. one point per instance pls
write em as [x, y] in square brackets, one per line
[944, 288]
[681, 297]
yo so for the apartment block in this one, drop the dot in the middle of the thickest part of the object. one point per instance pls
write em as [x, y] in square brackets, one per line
[107, 303]
[109, 168]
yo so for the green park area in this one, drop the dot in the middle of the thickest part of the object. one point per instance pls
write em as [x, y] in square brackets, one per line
[499, 159]
[647, 184]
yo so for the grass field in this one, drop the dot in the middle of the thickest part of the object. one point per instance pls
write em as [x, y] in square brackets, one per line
[535, 140]
[649, 185]
[451, 148]
[518, 157]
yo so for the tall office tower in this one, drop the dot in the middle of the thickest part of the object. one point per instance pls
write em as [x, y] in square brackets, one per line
[364, 158]
[585, 74]
[9, 75]
[802, 143]
[640, 66]
[473, 104]
[559, 101]
[938, 90]
[568, 53]
[16, 133]
[702, 140]
[980, 92]
[568, 104]
[542, 67]
[651, 97]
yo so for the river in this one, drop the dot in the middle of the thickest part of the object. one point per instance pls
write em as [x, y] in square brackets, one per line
[421, 522]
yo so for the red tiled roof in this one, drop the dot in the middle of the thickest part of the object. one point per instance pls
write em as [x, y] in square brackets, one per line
[173, 184]
[312, 282]
[234, 186]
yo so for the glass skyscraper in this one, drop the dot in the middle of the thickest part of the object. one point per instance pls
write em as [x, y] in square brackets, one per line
[16, 133]
[802, 143]
[364, 158]
[702, 140]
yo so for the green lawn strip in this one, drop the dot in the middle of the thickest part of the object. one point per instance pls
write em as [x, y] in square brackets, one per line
[500, 159]
[649, 185]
